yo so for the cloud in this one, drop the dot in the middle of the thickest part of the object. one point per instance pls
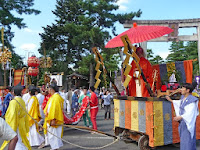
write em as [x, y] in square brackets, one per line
[28, 46]
[28, 30]
[122, 4]
[31, 31]
[164, 54]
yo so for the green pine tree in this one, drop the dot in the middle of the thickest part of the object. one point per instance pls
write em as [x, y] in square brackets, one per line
[157, 60]
[81, 25]
[177, 52]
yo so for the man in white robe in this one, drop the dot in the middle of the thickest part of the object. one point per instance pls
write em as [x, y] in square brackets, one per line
[54, 119]
[8, 134]
[27, 96]
[34, 137]
[40, 98]
[186, 113]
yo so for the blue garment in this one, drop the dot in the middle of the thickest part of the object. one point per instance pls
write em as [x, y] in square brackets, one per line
[186, 142]
[75, 101]
[6, 102]
[107, 99]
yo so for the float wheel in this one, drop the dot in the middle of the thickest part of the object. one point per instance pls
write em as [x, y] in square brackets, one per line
[143, 143]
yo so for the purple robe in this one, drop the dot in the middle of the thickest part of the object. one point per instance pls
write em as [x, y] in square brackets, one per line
[188, 109]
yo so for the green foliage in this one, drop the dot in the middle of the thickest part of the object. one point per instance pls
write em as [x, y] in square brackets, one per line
[16, 61]
[181, 52]
[150, 54]
[111, 61]
[154, 59]
[7, 19]
[84, 69]
[177, 52]
[81, 25]
[158, 60]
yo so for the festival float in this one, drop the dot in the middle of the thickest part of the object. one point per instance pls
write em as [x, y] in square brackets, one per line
[146, 120]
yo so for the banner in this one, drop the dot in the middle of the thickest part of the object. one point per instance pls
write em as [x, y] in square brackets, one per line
[185, 68]
[17, 77]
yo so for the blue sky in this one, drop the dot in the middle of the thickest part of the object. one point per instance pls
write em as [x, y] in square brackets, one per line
[28, 39]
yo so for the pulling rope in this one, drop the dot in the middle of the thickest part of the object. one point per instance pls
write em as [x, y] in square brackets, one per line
[82, 147]
[81, 128]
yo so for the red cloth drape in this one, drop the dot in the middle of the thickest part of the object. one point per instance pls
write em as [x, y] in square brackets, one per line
[188, 66]
[147, 70]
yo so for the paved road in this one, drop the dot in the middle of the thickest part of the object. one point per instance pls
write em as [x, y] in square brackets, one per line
[93, 140]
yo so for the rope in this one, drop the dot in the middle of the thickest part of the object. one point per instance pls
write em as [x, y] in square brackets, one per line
[81, 128]
[79, 146]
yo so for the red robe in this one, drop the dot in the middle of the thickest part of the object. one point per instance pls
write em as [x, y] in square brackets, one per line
[45, 101]
[147, 70]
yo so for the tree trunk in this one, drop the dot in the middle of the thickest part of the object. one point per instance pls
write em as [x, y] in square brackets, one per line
[91, 83]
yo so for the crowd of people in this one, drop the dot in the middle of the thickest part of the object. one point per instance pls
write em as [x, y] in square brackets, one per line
[43, 109]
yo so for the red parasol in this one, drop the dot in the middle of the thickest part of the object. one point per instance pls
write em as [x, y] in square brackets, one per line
[138, 34]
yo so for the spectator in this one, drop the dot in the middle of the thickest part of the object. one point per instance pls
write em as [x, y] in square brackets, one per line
[63, 95]
[101, 98]
[74, 102]
[40, 98]
[7, 100]
[107, 99]
[81, 92]
[69, 96]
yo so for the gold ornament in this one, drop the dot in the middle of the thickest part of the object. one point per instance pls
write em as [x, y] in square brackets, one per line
[167, 116]
[45, 62]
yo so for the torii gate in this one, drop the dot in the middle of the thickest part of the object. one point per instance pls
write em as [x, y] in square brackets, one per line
[174, 24]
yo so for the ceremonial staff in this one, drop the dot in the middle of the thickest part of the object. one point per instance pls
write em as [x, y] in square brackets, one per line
[99, 57]
[136, 59]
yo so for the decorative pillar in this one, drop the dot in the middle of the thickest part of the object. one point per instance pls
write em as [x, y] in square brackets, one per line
[198, 43]
[144, 46]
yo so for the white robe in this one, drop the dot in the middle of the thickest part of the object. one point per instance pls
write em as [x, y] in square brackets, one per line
[20, 145]
[26, 97]
[35, 139]
[191, 112]
[50, 139]
[66, 102]
[40, 98]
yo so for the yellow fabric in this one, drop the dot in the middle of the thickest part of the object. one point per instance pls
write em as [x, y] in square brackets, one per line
[17, 118]
[34, 111]
[55, 103]
[116, 112]
[195, 94]
[158, 123]
[134, 116]
[170, 68]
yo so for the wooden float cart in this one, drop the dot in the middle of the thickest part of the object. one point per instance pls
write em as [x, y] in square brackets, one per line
[148, 121]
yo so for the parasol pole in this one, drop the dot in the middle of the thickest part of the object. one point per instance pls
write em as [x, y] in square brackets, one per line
[2, 37]
[10, 78]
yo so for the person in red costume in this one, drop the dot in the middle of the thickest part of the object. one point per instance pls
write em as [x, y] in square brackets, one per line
[93, 107]
[136, 89]
[46, 98]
